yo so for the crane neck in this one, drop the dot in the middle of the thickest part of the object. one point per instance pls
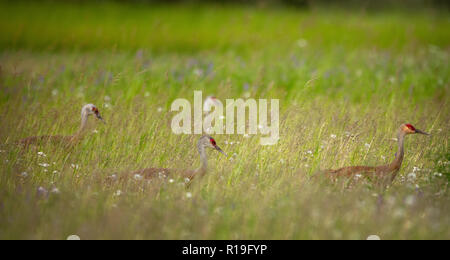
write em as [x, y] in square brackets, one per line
[400, 151]
[203, 159]
[84, 119]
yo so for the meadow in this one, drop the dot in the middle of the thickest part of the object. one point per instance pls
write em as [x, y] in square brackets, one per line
[346, 80]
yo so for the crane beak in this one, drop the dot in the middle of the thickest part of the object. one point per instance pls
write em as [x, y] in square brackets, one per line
[100, 117]
[220, 150]
[421, 132]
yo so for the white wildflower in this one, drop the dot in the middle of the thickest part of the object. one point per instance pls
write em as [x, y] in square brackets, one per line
[138, 177]
[188, 195]
[333, 136]
[171, 180]
[41, 191]
[438, 174]
[118, 193]
[44, 165]
[302, 43]
[42, 154]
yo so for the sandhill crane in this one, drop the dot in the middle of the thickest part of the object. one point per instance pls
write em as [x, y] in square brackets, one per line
[383, 174]
[86, 111]
[209, 102]
[203, 143]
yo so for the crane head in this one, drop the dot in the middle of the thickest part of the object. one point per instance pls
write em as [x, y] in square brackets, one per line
[209, 142]
[410, 129]
[93, 110]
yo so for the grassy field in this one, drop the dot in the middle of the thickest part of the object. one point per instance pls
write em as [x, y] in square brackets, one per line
[346, 80]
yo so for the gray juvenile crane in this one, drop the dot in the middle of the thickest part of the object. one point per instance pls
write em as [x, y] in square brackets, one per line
[383, 174]
[86, 111]
[203, 143]
[210, 101]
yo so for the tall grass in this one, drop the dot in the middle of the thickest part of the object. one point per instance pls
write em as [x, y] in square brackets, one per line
[345, 83]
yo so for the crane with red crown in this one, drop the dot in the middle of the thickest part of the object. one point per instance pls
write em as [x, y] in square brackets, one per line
[383, 174]
[205, 142]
